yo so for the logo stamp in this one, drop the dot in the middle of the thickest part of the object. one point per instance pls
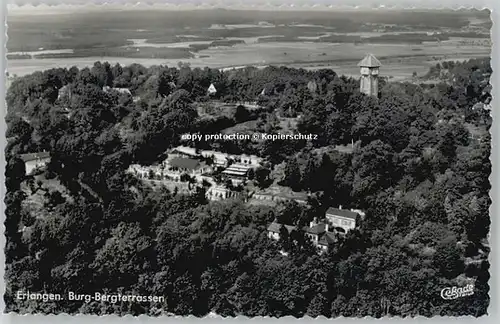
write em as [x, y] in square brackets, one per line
[451, 293]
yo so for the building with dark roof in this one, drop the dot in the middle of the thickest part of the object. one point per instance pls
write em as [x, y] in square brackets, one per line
[342, 212]
[184, 164]
[274, 230]
[315, 230]
[326, 240]
[187, 165]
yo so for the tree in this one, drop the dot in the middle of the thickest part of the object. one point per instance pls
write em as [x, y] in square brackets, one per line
[241, 114]
[323, 179]
[284, 240]
[317, 306]
[262, 177]
[373, 168]
[448, 258]
[125, 254]
[447, 145]
[184, 298]
[19, 128]
[14, 174]
[103, 74]
[292, 175]
[251, 174]
[421, 182]
[309, 175]
[53, 199]
[288, 212]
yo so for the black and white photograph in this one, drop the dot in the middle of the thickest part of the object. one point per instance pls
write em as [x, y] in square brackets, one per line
[169, 160]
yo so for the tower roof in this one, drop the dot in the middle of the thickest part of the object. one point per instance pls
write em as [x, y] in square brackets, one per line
[369, 61]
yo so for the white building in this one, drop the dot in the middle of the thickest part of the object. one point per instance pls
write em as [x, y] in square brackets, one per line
[342, 218]
[221, 193]
[34, 161]
[237, 172]
[145, 171]
[211, 89]
[319, 233]
[220, 158]
[120, 90]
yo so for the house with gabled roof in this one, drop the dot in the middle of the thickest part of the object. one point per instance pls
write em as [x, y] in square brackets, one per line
[319, 233]
[326, 240]
[342, 218]
[34, 161]
[315, 231]
[273, 230]
[323, 233]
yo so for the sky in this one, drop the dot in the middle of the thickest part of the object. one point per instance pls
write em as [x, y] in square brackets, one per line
[40, 7]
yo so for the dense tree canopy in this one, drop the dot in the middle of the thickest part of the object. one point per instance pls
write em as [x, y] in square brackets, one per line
[415, 169]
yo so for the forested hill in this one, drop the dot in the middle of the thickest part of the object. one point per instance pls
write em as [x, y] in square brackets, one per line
[419, 169]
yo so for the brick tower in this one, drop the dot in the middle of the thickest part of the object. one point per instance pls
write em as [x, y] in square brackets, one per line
[369, 75]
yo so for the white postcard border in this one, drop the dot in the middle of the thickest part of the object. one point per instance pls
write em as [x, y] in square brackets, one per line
[494, 5]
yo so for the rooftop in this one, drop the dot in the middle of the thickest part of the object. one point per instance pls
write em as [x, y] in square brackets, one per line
[239, 167]
[235, 172]
[184, 163]
[275, 227]
[185, 150]
[35, 156]
[369, 61]
[342, 212]
[316, 229]
[327, 239]
[212, 88]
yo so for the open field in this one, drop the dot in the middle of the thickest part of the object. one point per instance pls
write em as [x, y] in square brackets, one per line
[94, 29]
[399, 60]
[228, 39]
